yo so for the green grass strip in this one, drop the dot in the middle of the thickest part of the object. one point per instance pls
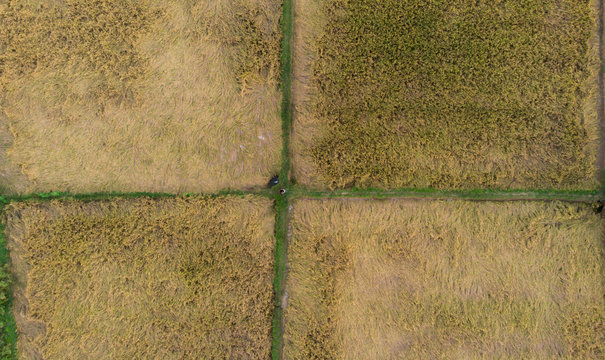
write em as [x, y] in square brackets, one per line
[8, 327]
[281, 234]
[473, 194]
[125, 195]
[286, 84]
[281, 201]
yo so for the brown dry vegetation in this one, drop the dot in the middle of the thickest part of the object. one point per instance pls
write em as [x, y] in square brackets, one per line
[129, 95]
[143, 279]
[445, 94]
[399, 279]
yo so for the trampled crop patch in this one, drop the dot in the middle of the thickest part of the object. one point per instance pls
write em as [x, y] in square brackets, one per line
[446, 94]
[129, 95]
[397, 279]
[184, 278]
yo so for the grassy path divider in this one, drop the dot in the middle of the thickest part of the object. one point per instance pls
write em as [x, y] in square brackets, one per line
[8, 327]
[125, 195]
[281, 234]
[286, 84]
[474, 194]
[282, 203]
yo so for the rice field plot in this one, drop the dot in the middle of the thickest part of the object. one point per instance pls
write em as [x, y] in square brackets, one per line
[406, 279]
[130, 95]
[446, 94]
[183, 278]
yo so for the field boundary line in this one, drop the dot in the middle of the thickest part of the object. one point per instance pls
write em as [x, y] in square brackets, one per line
[286, 84]
[8, 335]
[477, 194]
[601, 95]
[124, 195]
[281, 242]
[282, 204]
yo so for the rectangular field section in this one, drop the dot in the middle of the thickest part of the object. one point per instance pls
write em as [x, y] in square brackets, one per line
[185, 278]
[139, 95]
[446, 94]
[399, 279]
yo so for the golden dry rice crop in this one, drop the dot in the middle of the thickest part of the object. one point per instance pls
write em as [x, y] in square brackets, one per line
[185, 278]
[399, 279]
[139, 95]
[446, 94]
